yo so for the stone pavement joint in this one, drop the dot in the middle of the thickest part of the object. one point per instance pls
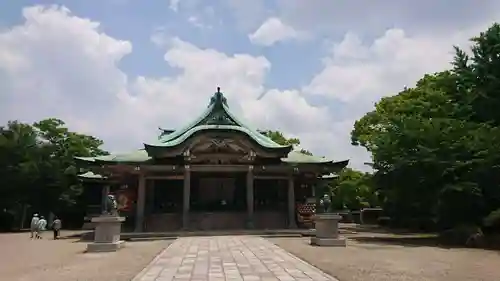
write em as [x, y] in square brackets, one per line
[228, 258]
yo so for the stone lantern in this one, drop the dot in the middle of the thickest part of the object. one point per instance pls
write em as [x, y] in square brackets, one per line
[327, 226]
[108, 229]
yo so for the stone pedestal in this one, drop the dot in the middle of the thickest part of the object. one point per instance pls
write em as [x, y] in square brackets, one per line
[106, 234]
[327, 231]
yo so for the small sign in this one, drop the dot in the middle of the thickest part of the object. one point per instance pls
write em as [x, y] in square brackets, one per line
[125, 199]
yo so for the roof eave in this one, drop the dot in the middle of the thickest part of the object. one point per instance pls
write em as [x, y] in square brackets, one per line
[90, 176]
[154, 150]
[341, 164]
[84, 159]
[118, 162]
[330, 176]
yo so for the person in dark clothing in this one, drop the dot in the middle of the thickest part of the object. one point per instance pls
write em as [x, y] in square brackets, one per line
[56, 227]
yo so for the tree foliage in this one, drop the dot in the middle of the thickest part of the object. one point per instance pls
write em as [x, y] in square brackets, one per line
[353, 190]
[436, 146]
[37, 166]
[279, 138]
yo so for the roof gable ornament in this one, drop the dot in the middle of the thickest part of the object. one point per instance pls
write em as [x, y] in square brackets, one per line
[218, 116]
[218, 99]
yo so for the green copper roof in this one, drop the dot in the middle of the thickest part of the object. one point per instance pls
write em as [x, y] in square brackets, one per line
[91, 176]
[217, 116]
[85, 159]
[165, 131]
[299, 157]
[138, 156]
[329, 176]
[176, 141]
[141, 156]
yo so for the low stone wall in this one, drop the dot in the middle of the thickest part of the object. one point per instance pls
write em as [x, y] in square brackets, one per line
[270, 220]
[163, 222]
[215, 221]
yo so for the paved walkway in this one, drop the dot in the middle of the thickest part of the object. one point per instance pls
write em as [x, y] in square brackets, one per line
[228, 258]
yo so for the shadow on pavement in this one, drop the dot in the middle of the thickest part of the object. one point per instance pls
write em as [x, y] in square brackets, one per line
[358, 228]
[411, 241]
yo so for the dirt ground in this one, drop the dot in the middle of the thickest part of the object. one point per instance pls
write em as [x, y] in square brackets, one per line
[368, 256]
[23, 259]
[390, 257]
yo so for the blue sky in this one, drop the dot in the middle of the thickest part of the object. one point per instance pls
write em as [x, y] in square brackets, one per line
[118, 69]
[125, 19]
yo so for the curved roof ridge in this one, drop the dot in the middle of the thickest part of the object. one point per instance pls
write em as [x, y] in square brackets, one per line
[195, 129]
[179, 132]
[217, 115]
[252, 130]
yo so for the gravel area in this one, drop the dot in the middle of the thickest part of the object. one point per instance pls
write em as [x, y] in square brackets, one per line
[377, 261]
[23, 259]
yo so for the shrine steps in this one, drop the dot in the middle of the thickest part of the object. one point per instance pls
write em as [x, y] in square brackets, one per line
[147, 236]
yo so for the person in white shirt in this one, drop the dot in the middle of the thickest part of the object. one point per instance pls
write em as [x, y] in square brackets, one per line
[34, 226]
[42, 225]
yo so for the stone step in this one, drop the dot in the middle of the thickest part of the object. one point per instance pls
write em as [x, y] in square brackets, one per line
[136, 236]
[141, 239]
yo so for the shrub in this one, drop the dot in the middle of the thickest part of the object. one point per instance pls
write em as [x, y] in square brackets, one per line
[384, 221]
[370, 215]
[463, 235]
[7, 221]
[492, 221]
[356, 217]
[346, 217]
[423, 224]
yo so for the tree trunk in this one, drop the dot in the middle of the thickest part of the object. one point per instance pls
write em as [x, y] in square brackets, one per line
[23, 215]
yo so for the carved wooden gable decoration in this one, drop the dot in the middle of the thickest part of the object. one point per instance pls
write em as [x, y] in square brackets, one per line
[220, 149]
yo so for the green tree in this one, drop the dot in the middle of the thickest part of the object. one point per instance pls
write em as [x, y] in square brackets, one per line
[354, 190]
[60, 146]
[279, 138]
[37, 166]
[435, 147]
[19, 169]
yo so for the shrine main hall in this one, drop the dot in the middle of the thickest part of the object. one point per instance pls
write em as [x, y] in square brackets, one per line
[215, 173]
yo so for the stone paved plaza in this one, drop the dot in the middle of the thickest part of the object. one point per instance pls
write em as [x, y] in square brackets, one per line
[228, 258]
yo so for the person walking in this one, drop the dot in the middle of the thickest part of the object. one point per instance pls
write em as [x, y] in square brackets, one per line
[42, 226]
[56, 227]
[34, 226]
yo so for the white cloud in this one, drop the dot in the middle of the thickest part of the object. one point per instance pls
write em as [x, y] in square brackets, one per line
[355, 71]
[174, 5]
[57, 64]
[196, 22]
[273, 30]
[80, 82]
[327, 17]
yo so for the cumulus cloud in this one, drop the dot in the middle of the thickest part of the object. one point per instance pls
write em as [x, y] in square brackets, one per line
[174, 5]
[355, 71]
[327, 18]
[271, 31]
[56, 64]
[80, 82]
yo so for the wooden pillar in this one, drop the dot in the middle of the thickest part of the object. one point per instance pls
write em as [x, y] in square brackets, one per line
[291, 203]
[186, 194]
[151, 196]
[250, 197]
[104, 201]
[141, 200]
